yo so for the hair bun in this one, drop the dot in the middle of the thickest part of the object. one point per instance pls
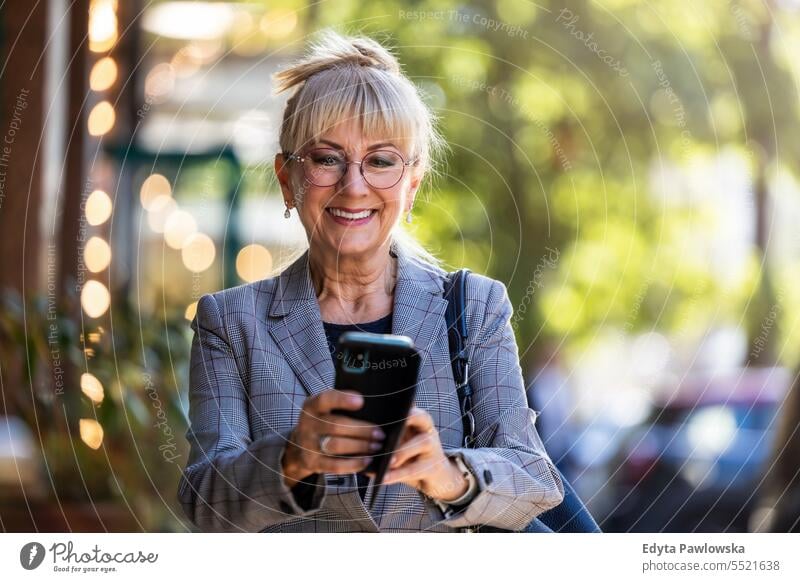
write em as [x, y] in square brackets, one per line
[372, 55]
[333, 50]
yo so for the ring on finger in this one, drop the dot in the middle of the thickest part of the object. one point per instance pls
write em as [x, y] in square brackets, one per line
[323, 444]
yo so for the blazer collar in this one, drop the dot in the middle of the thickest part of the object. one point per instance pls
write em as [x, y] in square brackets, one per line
[297, 329]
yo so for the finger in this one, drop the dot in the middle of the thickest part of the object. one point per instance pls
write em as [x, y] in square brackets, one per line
[411, 472]
[418, 445]
[339, 425]
[421, 424]
[329, 400]
[419, 419]
[351, 446]
[412, 424]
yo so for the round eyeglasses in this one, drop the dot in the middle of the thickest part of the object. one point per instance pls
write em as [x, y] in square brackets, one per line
[324, 167]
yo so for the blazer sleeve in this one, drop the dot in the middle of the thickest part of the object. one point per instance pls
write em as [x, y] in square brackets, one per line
[231, 482]
[516, 478]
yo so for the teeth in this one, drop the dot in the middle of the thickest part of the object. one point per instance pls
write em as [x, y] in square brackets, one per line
[350, 215]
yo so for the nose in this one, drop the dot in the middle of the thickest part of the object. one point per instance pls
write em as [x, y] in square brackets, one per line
[352, 181]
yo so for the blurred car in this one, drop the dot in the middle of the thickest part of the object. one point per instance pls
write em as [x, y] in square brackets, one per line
[698, 461]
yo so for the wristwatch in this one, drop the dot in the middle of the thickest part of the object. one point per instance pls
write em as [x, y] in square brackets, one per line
[449, 508]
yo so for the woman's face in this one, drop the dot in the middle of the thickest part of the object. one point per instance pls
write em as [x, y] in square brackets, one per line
[351, 217]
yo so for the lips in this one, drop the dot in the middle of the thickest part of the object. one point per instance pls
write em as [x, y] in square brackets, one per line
[351, 216]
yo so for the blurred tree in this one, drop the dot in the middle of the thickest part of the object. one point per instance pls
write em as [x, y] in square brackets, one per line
[22, 100]
[24, 36]
[557, 115]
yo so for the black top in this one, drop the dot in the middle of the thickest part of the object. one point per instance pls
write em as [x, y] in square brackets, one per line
[303, 491]
[334, 330]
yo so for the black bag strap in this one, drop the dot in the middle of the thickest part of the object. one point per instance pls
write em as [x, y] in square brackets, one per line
[455, 292]
[572, 515]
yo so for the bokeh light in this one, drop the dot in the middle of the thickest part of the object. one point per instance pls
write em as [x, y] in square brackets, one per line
[98, 207]
[91, 432]
[254, 262]
[159, 212]
[279, 23]
[103, 75]
[92, 387]
[178, 227]
[198, 252]
[154, 186]
[159, 82]
[101, 119]
[102, 25]
[95, 298]
[189, 20]
[97, 254]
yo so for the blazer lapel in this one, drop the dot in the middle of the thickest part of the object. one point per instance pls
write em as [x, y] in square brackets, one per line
[418, 303]
[297, 328]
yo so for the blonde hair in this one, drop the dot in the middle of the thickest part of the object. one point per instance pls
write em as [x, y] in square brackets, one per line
[354, 77]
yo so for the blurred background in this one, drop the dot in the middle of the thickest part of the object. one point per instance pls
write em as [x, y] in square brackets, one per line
[629, 169]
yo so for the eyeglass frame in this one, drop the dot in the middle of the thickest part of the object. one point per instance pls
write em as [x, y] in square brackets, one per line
[302, 159]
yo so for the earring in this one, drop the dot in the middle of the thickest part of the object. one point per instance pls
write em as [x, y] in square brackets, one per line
[287, 214]
[408, 217]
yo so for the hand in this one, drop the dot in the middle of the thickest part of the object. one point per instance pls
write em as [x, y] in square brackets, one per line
[347, 450]
[419, 460]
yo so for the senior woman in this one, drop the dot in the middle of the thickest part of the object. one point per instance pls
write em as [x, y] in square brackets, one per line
[267, 452]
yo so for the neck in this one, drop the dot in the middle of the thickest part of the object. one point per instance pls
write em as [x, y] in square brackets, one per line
[353, 281]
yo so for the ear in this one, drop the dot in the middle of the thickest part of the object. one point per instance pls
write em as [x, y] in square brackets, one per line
[414, 184]
[282, 169]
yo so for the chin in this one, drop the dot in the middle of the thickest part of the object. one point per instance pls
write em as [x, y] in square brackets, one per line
[356, 249]
[354, 246]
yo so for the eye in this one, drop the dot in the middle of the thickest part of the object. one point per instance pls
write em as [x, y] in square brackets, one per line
[326, 159]
[383, 160]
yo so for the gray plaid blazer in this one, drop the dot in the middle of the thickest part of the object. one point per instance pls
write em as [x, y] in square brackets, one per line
[260, 349]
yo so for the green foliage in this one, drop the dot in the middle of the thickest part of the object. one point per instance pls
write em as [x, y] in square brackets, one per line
[553, 147]
[141, 363]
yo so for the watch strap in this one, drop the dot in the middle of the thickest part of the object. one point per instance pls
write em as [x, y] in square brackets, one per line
[449, 508]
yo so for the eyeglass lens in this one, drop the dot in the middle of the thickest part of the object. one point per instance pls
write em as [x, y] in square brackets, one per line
[326, 167]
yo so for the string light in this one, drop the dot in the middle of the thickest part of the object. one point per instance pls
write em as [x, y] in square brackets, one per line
[101, 119]
[96, 254]
[98, 208]
[95, 298]
[91, 432]
[103, 75]
[92, 387]
[102, 25]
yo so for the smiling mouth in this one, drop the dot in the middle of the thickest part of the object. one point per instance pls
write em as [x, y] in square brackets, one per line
[351, 216]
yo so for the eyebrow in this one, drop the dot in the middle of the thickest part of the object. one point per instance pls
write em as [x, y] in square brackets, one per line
[374, 146]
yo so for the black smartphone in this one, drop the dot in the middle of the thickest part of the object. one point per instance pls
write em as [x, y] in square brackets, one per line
[384, 369]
